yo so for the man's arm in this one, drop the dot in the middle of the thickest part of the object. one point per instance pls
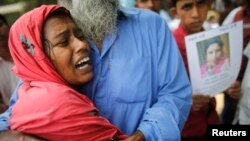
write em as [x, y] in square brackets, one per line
[166, 118]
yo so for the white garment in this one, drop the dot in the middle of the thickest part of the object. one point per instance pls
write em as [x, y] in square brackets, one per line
[176, 22]
[230, 18]
[165, 15]
[173, 24]
[242, 114]
[8, 80]
[207, 26]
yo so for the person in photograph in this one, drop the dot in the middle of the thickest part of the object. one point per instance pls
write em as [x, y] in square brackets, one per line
[216, 61]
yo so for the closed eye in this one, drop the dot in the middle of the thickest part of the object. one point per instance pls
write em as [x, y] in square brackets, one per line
[79, 34]
[62, 43]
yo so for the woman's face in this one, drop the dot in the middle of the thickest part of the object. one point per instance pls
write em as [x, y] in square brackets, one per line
[67, 49]
[214, 53]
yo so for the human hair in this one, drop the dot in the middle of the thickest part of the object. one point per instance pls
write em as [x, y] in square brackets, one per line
[59, 12]
[173, 3]
[65, 3]
[97, 18]
[214, 40]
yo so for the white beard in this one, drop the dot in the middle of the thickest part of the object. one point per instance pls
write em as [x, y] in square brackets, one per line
[95, 17]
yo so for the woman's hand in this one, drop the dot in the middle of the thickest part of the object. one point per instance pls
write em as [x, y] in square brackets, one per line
[17, 136]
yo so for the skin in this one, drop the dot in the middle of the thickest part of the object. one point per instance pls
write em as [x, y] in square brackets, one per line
[67, 46]
[235, 90]
[214, 53]
[58, 30]
[154, 5]
[199, 101]
[64, 49]
[192, 14]
[17, 136]
[75, 49]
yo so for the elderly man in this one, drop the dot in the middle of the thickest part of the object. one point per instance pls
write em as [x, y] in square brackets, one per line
[140, 83]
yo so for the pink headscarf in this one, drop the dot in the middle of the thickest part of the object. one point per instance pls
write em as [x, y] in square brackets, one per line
[47, 106]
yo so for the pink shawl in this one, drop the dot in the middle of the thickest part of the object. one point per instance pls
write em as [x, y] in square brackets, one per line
[47, 106]
[222, 65]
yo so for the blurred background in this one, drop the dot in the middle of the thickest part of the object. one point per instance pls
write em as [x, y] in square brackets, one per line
[12, 9]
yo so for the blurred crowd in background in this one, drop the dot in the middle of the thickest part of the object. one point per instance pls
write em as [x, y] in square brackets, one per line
[220, 13]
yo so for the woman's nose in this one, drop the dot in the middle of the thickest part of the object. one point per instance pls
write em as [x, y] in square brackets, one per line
[81, 45]
[214, 55]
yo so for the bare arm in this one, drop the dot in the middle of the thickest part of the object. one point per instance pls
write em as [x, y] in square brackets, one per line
[17, 136]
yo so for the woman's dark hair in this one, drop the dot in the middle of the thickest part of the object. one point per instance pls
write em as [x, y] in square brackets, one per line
[215, 40]
[59, 12]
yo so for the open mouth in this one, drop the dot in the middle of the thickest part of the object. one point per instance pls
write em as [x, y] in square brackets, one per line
[83, 63]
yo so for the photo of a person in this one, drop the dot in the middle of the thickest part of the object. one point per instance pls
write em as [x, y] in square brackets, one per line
[213, 58]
